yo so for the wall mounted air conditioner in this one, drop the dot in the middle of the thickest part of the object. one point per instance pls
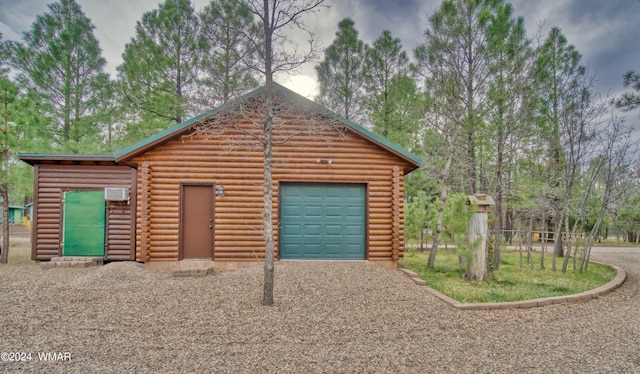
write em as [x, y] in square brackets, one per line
[116, 194]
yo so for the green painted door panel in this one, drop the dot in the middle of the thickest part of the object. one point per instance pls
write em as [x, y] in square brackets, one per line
[84, 223]
[322, 221]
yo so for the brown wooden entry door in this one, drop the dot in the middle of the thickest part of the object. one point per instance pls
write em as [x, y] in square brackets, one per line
[197, 221]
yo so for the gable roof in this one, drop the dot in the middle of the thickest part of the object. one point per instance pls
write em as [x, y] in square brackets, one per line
[181, 128]
[177, 130]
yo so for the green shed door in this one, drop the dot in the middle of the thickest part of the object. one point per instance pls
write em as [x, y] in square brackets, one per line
[12, 216]
[322, 221]
[84, 222]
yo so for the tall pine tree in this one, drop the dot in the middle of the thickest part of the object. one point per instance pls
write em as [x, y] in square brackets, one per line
[60, 62]
[510, 110]
[227, 51]
[390, 90]
[159, 72]
[341, 75]
[20, 130]
[559, 73]
[454, 61]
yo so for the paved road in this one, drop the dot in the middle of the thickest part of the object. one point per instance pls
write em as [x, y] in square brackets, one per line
[628, 258]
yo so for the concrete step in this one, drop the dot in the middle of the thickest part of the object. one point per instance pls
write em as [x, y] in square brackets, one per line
[73, 261]
[194, 272]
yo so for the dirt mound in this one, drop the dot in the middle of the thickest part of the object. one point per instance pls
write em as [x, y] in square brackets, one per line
[115, 275]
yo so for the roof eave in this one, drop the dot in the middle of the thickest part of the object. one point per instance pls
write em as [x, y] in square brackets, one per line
[35, 158]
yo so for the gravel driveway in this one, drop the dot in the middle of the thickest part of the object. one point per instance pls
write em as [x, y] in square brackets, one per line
[328, 317]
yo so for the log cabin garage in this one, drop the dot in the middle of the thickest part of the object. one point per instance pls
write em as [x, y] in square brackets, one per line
[194, 192]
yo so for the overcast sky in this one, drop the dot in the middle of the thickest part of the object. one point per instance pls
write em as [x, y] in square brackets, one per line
[606, 32]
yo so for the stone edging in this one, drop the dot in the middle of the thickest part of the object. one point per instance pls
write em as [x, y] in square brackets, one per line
[617, 281]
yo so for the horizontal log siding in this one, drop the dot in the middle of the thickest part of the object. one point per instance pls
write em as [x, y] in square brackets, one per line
[51, 181]
[235, 160]
[119, 236]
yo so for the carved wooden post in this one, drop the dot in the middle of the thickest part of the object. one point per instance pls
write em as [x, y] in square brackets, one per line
[478, 236]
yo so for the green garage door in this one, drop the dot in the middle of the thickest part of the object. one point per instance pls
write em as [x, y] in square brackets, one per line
[322, 221]
[84, 221]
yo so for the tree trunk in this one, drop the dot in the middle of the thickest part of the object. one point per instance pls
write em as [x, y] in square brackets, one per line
[557, 242]
[530, 242]
[508, 234]
[499, 223]
[4, 187]
[443, 198]
[267, 298]
[571, 245]
[4, 251]
[498, 233]
[439, 228]
[596, 227]
[544, 236]
[477, 269]
[471, 160]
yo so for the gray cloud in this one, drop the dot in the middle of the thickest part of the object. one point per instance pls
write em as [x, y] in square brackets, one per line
[605, 32]
[17, 16]
[405, 19]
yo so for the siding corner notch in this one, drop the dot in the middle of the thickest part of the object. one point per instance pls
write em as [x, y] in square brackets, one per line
[395, 211]
[145, 211]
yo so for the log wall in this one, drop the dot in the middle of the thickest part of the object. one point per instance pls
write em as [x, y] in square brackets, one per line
[51, 181]
[232, 158]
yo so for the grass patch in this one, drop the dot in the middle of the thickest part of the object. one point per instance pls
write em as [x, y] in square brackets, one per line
[510, 283]
[19, 252]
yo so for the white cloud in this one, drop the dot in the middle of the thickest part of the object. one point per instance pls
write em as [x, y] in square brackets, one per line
[303, 85]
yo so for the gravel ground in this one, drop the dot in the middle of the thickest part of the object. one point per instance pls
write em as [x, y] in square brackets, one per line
[328, 317]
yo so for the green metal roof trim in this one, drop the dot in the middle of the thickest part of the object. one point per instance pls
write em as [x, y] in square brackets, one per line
[67, 155]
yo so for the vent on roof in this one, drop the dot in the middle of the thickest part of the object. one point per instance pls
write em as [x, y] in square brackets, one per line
[116, 194]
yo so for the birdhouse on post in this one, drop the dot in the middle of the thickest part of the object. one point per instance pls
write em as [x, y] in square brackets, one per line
[481, 202]
[478, 236]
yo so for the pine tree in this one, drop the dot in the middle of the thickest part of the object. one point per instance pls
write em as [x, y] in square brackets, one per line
[158, 75]
[630, 100]
[510, 109]
[19, 131]
[341, 75]
[391, 92]
[60, 62]
[454, 63]
[8, 94]
[559, 75]
[226, 51]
